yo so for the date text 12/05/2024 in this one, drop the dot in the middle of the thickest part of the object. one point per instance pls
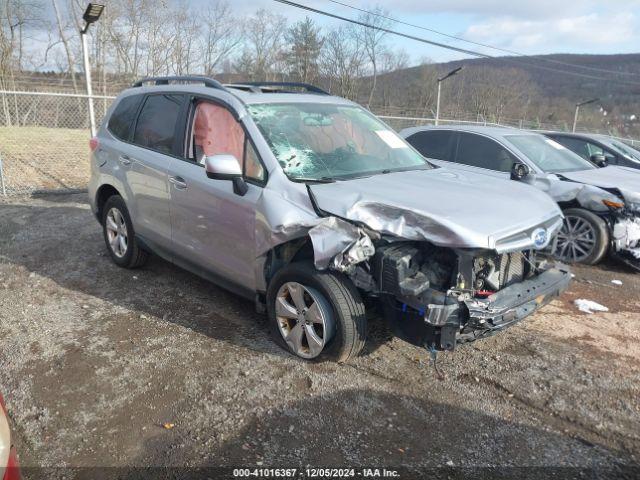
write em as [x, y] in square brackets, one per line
[315, 473]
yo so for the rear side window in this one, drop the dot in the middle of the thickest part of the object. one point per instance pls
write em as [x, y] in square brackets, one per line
[435, 144]
[479, 151]
[123, 116]
[156, 126]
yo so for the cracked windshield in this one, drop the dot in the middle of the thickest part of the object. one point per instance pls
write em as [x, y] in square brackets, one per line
[326, 142]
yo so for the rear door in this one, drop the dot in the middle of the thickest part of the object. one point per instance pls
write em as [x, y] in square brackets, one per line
[434, 144]
[479, 154]
[214, 227]
[146, 162]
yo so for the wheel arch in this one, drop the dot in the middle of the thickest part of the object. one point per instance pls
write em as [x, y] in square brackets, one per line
[570, 204]
[102, 195]
[295, 250]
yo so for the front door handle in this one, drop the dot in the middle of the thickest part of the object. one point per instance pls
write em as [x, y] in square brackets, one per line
[178, 182]
[124, 159]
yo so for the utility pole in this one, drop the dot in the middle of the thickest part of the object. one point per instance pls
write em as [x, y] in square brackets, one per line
[91, 15]
[440, 80]
[578, 105]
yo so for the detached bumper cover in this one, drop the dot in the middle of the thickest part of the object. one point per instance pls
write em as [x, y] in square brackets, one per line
[516, 302]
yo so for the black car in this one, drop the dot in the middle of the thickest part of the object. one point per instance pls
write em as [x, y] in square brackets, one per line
[599, 149]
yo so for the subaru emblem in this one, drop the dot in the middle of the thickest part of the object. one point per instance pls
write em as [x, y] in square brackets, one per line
[540, 238]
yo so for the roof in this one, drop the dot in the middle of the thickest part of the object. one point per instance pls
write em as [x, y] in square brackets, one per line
[486, 130]
[246, 93]
[250, 97]
[572, 134]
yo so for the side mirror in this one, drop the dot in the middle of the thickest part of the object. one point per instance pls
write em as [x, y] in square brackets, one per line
[519, 171]
[222, 167]
[226, 167]
[599, 159]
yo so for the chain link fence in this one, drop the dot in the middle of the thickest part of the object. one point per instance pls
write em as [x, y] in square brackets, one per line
[44, 139]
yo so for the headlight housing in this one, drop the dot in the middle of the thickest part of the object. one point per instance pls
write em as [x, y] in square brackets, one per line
[615, 204]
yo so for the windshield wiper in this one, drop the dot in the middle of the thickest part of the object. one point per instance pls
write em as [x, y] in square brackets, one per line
[313, 180]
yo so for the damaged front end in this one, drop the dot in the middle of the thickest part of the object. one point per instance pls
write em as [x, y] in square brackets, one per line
[437, 297]
[625, 238]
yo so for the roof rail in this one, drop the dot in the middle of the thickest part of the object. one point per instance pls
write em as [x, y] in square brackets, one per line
[208, 82]
[243, 86]
[306, 86]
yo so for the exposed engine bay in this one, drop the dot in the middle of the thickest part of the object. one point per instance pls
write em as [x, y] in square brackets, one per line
[625, 239]
[437, 297]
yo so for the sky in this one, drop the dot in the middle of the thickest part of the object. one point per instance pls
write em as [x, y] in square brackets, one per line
[529, 27]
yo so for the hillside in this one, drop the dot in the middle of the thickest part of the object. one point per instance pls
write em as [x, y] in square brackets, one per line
[622, 84]
[532, 88]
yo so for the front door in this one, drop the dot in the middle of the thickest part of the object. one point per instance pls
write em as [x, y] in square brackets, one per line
[213, 227]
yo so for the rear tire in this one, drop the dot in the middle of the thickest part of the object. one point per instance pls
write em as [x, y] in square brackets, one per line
[583, 239]
[119, 235]
[343, 326]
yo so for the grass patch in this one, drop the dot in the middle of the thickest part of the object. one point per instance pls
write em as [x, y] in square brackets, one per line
[36, 158]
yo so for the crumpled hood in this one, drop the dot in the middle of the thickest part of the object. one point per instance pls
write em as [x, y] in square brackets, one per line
[455, 209]
[625, 179]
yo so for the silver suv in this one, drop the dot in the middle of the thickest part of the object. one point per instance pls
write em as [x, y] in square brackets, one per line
[313, 208]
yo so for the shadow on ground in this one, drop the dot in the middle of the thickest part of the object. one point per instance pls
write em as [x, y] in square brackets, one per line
[64, 243]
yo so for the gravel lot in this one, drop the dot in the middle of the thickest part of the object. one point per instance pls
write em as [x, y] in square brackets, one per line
[95, 359]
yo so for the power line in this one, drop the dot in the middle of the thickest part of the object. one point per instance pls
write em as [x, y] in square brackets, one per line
[393, 32]
[504, 50]
[450, 47]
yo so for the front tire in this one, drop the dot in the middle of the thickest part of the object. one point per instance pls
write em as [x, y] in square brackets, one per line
[119, 235]
[583, 238]
[316, 315]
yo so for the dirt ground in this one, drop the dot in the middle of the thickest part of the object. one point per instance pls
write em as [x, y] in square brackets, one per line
[95, 359]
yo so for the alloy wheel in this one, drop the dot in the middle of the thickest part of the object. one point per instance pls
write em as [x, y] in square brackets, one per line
[117, 232]
[576, 240]
[305, 319]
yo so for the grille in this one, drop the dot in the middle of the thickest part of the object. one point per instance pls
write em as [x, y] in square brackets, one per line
[511, 268]
[500, 271]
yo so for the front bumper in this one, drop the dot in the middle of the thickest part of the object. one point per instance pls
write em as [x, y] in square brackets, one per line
[442, 327]
[512, 304]
[520, 300]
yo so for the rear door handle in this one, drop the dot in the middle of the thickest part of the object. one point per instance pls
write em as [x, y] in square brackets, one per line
[178, 182]
[124, 159]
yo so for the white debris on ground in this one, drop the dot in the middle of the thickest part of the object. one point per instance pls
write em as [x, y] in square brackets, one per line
[589, 306]
[616, 282]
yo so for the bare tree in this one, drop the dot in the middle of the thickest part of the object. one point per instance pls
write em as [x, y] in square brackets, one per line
[391, 62]
[264, 34]
[221, 36]
[17, 17]
[63, 32]
[343, 60]
[498, 92]
[372, 39]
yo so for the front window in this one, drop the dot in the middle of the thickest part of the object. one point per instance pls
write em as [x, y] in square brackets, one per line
[549, 155]
[322, 142]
